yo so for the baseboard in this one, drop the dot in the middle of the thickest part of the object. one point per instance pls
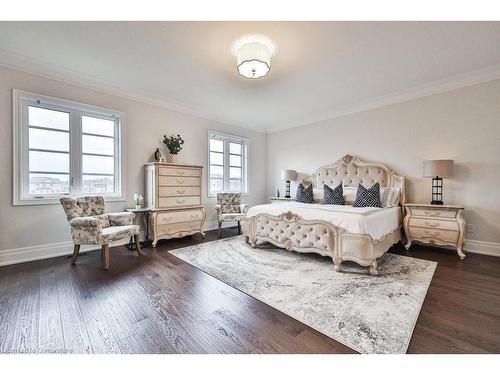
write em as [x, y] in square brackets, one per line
[52, 250]
[482, 247]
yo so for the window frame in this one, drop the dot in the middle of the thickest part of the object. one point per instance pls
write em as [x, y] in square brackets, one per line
[21, 101]
[245, 145]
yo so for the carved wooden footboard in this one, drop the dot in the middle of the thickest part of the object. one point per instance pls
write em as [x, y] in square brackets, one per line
[291, 232]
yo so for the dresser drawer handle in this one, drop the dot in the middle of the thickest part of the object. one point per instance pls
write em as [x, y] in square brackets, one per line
[433, 213]
[433, 234]
[181, 191]
[180, 173]
[167, 218]
[193, 216]
[180, 201]
[180, 181]
[435, 225]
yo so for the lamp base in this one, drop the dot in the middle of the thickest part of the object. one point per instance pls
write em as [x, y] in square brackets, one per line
[437, 202]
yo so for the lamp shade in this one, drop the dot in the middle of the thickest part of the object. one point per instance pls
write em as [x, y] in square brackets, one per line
[435, 168]
[254, 60]
[288, 175]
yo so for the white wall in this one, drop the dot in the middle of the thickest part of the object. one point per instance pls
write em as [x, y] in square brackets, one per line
[144, 126]
[463, 125]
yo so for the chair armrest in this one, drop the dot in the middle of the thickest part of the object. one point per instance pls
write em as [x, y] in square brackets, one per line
[85, 222]
[121, 218]
[243, 208]
[218, 209]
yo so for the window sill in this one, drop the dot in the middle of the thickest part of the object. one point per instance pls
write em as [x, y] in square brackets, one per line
[53, 201]
[215, 195]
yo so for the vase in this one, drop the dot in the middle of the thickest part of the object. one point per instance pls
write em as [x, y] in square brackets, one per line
[172, 158]
[138, 206]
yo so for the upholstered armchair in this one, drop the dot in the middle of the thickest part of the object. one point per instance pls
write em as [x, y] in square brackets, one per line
[90, 225]
[229, 208]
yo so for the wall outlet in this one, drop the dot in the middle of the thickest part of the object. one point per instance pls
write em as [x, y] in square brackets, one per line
[471, 228]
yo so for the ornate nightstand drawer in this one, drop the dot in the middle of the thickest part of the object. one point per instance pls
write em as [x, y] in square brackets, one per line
[440, 235]
[433, 213]
[433, 224]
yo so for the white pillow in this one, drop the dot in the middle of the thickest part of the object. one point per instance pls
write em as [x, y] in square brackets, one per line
[318, 194]
[389, 196]
[350, 194]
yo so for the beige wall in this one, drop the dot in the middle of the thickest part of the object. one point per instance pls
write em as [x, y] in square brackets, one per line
[463, 125]
[144, 126]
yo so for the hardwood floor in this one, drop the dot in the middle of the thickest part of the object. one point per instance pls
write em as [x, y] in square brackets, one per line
[159, 304]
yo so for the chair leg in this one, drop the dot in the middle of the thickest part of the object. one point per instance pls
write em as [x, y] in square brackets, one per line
[219, 225]
[76, 251]
[137, 244]
[239, 227]
[105, 256]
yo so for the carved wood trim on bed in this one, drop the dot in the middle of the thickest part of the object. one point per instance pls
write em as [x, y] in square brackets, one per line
[291, 232]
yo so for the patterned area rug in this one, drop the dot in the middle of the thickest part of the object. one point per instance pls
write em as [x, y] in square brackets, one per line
[370, 314]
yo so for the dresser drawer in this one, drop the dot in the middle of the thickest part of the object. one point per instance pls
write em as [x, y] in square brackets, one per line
[178, 181]
[178, 217]
[434, 223]
[182, 172]
[178, 201]
[178, 227]
[433, 213]
[178, 191]
[440, 235]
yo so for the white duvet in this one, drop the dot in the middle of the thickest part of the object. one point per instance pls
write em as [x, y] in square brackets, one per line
[377, 222]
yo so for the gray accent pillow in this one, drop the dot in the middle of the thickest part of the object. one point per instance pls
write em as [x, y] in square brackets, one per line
[304, 194]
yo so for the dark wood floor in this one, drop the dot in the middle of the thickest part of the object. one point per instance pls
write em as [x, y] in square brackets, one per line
[159, 304]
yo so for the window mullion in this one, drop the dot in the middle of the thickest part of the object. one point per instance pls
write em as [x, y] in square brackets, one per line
[226, 166]
[76, 153]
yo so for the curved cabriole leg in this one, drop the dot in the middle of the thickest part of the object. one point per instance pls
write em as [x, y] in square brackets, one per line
[373, 268]
[253, 243]
[76, 251]
[137, 244]
[247, 239]
[338, 263]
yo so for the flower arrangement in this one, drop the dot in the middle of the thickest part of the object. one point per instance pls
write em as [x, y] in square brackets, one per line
[174, 143]
[138, 199]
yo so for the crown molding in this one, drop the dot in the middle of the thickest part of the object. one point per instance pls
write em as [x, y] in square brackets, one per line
[54, 72]
[452, 83]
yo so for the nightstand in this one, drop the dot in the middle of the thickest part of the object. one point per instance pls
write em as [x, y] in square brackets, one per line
[435, 225]
[281, 199]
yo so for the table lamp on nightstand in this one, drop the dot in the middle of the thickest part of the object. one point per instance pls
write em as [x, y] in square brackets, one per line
[437, 169]
[288, 175]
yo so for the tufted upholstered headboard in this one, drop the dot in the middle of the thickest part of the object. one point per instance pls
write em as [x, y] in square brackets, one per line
[352, 171]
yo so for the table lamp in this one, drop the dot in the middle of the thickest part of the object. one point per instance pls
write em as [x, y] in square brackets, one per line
[288, 175]
[437, 169]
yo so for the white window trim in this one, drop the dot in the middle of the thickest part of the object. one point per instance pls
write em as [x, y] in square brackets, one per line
[18, 197]
[245, 163]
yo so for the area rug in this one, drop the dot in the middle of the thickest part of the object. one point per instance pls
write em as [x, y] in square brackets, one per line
[370, 314]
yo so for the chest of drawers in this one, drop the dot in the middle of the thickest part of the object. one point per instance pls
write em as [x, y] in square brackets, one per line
[435, 225]
[173, 193]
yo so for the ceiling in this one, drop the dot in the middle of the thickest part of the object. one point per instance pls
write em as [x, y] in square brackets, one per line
[321, 69]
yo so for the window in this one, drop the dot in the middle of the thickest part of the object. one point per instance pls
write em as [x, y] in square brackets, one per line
[64, 148]
[227, 155]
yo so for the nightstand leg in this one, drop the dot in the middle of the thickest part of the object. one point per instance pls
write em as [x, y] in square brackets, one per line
[408, 244]
[460, 253]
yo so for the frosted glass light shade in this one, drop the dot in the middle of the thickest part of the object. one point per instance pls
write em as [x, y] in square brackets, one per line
[253, 60]
[435, 168]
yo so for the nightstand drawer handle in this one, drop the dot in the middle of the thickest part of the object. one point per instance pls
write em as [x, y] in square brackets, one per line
[180, 201]
[180, 181]
[433, 213]
[181, 191]
[433, 234]
[435, 225]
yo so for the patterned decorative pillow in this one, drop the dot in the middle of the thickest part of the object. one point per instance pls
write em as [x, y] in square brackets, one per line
[368, 197]
[333, 196]
[304, 194]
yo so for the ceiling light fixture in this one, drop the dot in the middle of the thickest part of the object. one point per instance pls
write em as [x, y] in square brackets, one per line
[253, 55]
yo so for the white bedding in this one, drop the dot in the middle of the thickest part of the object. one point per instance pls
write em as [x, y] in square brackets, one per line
[377, 222]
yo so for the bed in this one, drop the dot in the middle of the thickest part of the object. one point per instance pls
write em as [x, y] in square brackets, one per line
[344, 233]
